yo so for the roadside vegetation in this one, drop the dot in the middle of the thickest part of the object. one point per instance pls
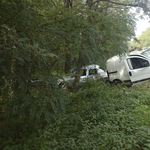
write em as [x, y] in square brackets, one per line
[98, 116]
[40, 42]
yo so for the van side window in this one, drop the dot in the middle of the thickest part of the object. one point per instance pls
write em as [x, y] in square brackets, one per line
[92, 71]
[139, 63]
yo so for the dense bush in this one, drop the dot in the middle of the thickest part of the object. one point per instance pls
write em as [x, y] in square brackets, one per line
[39, 41]
[100, 116]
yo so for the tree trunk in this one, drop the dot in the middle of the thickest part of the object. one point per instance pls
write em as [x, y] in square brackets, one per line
[66, 3]
[78, 74]
[67, 56]
[89, 4]
[77, 77]
[67, 63]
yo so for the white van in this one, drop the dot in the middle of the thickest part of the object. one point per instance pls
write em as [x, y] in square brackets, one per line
[133, 67]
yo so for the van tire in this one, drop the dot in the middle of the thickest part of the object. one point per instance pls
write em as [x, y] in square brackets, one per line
[115, 82]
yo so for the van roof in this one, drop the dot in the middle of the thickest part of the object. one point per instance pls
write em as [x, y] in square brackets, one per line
[136, 52]
[114, 58]
[93, 66]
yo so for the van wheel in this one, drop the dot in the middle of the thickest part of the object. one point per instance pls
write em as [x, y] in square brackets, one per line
[62, 85]
[115, 82]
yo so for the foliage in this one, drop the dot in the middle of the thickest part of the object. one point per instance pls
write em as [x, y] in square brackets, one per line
[100, 116]
[20, 63]
[26, 105]
[38, 39]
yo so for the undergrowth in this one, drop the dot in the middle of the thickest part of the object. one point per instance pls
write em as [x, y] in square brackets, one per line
[98, 117]
[103, 117]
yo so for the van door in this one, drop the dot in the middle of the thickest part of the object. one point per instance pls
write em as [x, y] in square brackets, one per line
[138, 69]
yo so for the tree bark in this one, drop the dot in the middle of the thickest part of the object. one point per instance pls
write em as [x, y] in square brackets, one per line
[0, 3]
[89, 4]
[67, 56]
[77, 76]
[67, 63]
[117, 3]
[66, 3]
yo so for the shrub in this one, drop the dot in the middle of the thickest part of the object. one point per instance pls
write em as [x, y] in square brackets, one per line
[100, 116]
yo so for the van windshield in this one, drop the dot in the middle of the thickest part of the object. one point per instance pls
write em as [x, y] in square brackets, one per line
[83, 73]
[147, 53]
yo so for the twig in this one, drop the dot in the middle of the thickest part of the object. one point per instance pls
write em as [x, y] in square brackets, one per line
[133, 5]
[53, 3]
[13, 16]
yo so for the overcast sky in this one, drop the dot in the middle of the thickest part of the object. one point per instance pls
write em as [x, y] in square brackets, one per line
[141, 26]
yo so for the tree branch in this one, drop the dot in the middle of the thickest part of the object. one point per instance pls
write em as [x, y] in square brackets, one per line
[52, 64]
[53, 3]
[0, 3]
[13, 15]
[133, 5]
